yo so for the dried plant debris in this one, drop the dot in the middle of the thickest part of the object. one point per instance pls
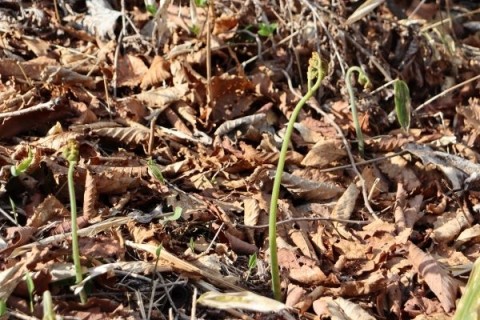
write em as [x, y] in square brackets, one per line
[179, 110]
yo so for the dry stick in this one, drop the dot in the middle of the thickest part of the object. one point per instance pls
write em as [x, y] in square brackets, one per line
[49, 105]
[441, 94]
[362, 163]
[210, 19]
[293, 220]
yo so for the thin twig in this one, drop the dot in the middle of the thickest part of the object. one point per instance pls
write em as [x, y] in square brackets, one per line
[441, 94]
[49, 105]
[294, 220]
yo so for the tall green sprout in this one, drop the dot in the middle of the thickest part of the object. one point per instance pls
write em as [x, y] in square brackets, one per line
[316, 72]
[71, 153]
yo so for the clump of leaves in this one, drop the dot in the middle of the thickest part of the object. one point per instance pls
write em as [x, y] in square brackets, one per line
[316, 72]
[71, 153]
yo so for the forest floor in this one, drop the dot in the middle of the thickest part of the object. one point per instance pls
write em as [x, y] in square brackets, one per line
[179, 110]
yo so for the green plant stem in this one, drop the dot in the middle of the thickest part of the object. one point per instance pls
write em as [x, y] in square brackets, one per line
[75, 246]
[353, 106]
[272, 229]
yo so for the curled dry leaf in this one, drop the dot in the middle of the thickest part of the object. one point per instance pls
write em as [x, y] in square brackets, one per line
[436, 277]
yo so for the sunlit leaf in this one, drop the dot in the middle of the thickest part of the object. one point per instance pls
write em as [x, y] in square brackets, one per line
[240, 300]
[266, 29]
[402, 103]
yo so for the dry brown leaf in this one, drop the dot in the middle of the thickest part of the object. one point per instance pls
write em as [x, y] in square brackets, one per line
[250, 216]
[324, 153]
[49, 209]
[307, 275]
[161, 98]
[436, 277]
[130, 71]
[294, 294]
[158, 72]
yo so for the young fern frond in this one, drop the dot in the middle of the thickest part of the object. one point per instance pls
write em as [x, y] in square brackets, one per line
[365, 81]
[71, 153]
[316, 73]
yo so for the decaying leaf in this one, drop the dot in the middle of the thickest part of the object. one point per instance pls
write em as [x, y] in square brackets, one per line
[437, 278]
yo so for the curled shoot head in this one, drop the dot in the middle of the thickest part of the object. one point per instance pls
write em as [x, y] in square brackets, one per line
[364, 80]
[71, 151]
[316, 69]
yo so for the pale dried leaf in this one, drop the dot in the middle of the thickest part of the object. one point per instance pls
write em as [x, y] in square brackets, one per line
[367, 7]
[344, 207]
[353, 310]
[102, 19]
[324, 153]
[250, 216]
[436, 277]
[240, 300]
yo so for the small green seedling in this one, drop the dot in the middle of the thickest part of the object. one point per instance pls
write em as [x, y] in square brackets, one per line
[316, 72]
[71, 153]
[21, 167]
[191, 244]
[363, 80]
[252, 264]
[14, 209]
[195, 29]
[48, 312]
[266, 29]
[155, 170]
[30, 288]
[3, 307]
